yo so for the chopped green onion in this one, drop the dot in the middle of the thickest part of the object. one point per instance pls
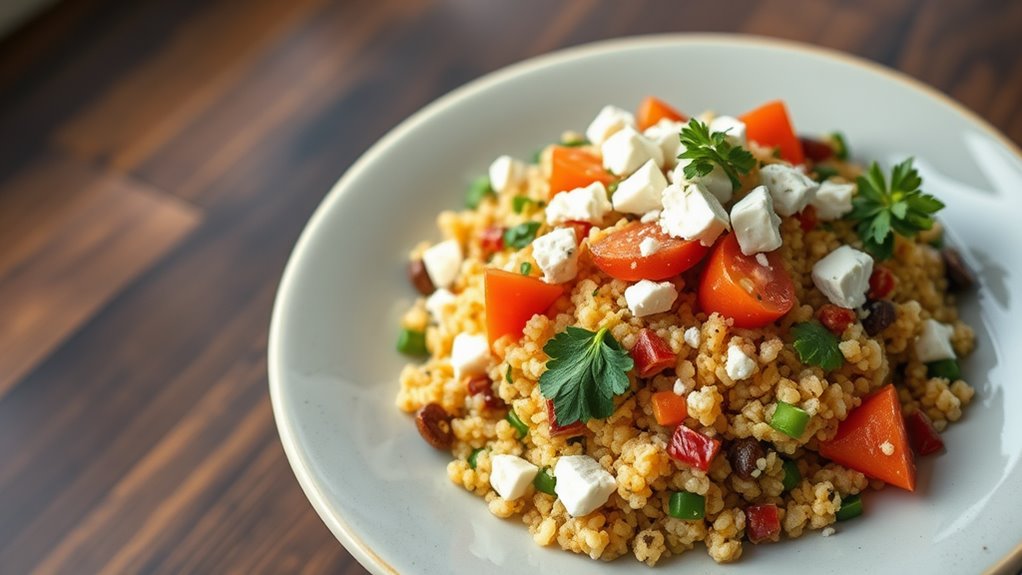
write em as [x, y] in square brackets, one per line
[792, 476]
[517, 423]
[946, 368]
[518, 203]
[824, 173]
[596, 291]
[851, 506]
[412, 342]
[575, 143]
[789, 420]
[840, 145]
[521, 235]
[544, 481]
[479, 189]
[507, 374]
[473, 457]
[687, 506]
[526, 268]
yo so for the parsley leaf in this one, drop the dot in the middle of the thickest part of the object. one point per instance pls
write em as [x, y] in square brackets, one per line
[518, 203]
[521, 235]
[585, 371]
[479, 189]
[706, 149]
[816, 345]
[883, 211]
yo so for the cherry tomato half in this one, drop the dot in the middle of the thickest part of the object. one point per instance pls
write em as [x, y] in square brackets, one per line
[619, 256]
[737, 286]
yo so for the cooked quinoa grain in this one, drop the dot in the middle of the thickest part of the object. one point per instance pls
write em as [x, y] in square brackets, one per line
[728, 379]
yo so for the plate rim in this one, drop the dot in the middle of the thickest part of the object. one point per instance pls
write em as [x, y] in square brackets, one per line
[296, 458]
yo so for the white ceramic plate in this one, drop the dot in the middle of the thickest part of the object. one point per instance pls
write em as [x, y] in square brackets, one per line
[333, 369]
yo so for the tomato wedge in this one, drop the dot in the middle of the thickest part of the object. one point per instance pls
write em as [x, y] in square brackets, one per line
[652, 110]
[572, 168]
[618, 254]
[770, 125]
[737, 286]
[512, 299]
[873, 440]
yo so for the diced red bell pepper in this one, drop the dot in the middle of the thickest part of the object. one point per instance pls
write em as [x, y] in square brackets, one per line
[581, 230]
[836, 318]
[816, 150]
[762, 523]
[512, 299]
[693, 448]
[556, 429]
[921, 433]
[492, 239]
[651, 354]
[807, 218]
[881, 282]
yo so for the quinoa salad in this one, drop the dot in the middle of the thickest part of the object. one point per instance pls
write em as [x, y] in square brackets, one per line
[666, 332]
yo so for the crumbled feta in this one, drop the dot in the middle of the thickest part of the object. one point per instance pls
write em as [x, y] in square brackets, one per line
[610, 120]
[627, 149]
[648, 246]
[683, 387]
[733, 127]
[442, 262]
[650, 216]
[511, 475]
[583, 484]
[693, 337]
[762, 260]
[692, 213]
[437, 301]
[505, 172]
[665, 134]
[470, 354]
[556, 253]
[790, 189]
[887, 448]
[716, 182]
[640, 192]
[739, 365]
[843, 276]
[588, 204]
[832, 200]
[647, 297]
[828, 531]
[756, 226]
[934, 343]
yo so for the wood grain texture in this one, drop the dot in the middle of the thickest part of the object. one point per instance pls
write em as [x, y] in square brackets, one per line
[159, 160]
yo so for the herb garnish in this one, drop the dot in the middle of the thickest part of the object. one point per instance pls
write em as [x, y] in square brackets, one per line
[706, 149]
[585, 371]
[479, 189]
[883, 211]
[816, 345]
[521, 235]
[525, 268]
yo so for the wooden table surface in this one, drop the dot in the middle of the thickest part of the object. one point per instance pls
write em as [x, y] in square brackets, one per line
[159, 159]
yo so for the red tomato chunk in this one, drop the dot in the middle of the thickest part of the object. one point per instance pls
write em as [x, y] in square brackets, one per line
[581, 230]
[762, 523]
[492, 239]
[881, 283]
[807, 219]
[651, 354]
[693, 448]
[576, 428]
[836, 318]
[816, 150]
[922, 435]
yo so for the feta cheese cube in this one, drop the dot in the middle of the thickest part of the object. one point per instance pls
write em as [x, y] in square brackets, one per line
[693, 338]
[790, 189]
[739, 365]
[627, 149]
[470, 354]
[757, 228]
[609, 121]
[556, 253]
[583, 485]
[648, 246]
[650, 216]
[733, 127]
[442, 262]
[647, 297]
[511, 476]
[640, 192]
[934, 343]
[438, 301]
[832, 200]
[665, 134]
[588, 204]
[692, 213]
[505, 172]
[843, 276]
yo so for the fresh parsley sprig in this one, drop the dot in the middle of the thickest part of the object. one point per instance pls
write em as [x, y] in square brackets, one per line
[705, 149]
[816, 345]
[883, 211]
[585, 371]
